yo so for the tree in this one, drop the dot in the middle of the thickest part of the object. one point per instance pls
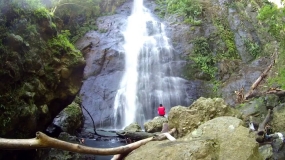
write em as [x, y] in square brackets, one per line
[43, 141]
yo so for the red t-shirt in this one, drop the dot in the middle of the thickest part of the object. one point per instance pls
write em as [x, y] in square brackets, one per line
[161, 110]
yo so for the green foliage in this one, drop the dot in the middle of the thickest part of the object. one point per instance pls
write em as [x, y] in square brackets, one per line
[103, 30]
[60, 44]
[70, 6]
[73, 110]
[273, 20]
[6, 118]
[32, 28]
[203, 57]
[228, 38]
[279, 78]
[79, 22]
[29, 52]
[241, 105]
[42, 13]
[81, 31]
[216, 88]
[201, 46]
[25, 6]
[3, 34]
[253, 48]
[34, 4]
[191, 10]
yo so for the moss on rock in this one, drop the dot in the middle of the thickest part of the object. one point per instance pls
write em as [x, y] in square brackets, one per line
[34, 55]
[186, 119]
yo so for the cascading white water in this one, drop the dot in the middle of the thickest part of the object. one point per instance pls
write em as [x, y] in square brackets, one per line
[148, 79]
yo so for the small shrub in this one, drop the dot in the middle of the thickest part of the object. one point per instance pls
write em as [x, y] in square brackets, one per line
[191, 10]
[252, 48]
[61, 43]
[203, 57]
[41, 13]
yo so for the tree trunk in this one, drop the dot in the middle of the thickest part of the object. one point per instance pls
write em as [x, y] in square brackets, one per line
[260, 135]
[256, 83]
[262, 76]
[44, 141]
[262, 125]
[276, 91]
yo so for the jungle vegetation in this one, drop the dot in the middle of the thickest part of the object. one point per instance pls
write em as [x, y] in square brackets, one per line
[204, 57]
[36, 40]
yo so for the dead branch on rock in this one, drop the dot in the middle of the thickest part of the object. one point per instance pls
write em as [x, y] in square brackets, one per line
[44, 141]
[162, 136]
[141, 135]
[276, 91]
[259, 79]
[240, 98]
[240, 95]
[262, 126]
[134, 135]
[157, 137]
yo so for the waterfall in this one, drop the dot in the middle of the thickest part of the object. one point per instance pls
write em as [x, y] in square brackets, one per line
[148, 79]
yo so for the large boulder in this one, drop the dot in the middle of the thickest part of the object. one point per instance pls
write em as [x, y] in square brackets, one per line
[186, 119]
[70, 119]
[278, 118]
[256, 109]
[155, 125]
[235, 141]
[205, 149]
[219, 138]
[133, 127]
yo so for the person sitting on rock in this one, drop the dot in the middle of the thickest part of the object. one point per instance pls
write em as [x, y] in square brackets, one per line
[161, 110]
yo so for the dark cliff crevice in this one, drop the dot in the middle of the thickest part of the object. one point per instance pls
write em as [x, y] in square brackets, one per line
[102, 60]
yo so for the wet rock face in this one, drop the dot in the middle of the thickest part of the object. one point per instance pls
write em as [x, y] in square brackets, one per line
[105, 65]
[103, 70]
[246, 75]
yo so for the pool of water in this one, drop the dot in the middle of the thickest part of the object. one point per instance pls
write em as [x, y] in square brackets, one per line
[104, 143]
